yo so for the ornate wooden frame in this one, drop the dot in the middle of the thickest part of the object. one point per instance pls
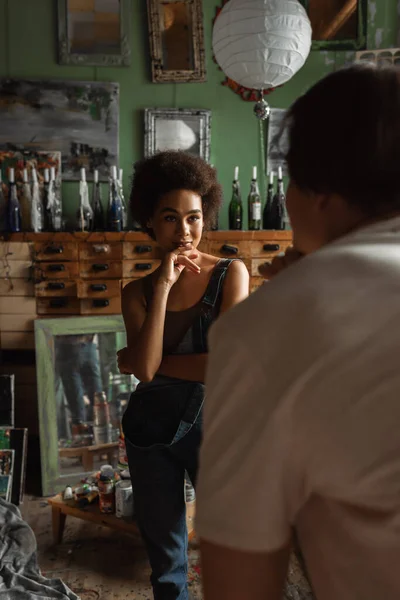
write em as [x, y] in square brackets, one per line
[161, 75]
[123, 59]
[45, 331]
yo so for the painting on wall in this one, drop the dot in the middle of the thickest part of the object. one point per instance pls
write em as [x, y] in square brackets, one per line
[178, 129]
[276, 151]
[26, 159]
[78, 118]
[94, 32]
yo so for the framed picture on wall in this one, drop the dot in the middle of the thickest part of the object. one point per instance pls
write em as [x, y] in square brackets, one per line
[276, 146]
[94, 32]
[185, 129]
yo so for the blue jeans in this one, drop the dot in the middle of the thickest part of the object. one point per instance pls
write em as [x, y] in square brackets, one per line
[158, 473]
[79, 369]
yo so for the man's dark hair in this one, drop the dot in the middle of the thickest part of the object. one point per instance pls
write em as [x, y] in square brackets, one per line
[168, 171]
[344, 137]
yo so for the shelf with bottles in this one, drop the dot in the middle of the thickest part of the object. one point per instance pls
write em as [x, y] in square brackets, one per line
[272, 217]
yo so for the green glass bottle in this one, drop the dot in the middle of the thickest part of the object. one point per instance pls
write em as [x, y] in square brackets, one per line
[235, 205]
[254, 204]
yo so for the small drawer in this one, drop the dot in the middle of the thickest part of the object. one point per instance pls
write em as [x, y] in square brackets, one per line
[57, 306]
[100, 306]
[100, 251]
[100, 269]
[255, 283]
[139, 268]
[53, 251]
[268, 247]
[141, 250]
[229, 249]
[99, 289]
[255, 263]
[55, 288]
[56, 270]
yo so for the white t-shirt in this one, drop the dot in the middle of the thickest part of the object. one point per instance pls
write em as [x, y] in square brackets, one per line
[302, 418]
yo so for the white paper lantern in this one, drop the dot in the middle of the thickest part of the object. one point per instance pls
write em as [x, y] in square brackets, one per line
[174, 134]
[261, 43]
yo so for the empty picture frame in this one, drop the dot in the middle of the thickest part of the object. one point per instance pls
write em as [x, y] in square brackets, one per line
[178, 129]
[176, 40]
[94, 32]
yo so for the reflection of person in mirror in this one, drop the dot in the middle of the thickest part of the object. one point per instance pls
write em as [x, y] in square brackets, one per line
[77, 363]
[167, 315]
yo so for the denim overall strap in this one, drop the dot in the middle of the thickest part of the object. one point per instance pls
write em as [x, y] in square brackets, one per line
[210, 305]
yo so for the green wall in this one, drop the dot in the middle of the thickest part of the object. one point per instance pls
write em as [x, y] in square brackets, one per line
[28, 48]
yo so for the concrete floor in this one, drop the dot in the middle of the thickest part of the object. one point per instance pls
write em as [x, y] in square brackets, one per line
[94, 561]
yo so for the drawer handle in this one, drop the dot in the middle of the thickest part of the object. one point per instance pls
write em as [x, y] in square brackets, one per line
[226, 249]
[271, 247]
[56, 268]
[101, 267]
[100, 303]
[54, 250]
[56, 286]
[101, 248]
[143, 249]
[98, 287]
[58, 302]
[143, 266]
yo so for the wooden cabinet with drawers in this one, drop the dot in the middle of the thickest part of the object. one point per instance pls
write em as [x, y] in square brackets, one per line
[83, 273]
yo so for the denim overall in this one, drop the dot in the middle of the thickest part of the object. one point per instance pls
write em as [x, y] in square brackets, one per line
[162, 427]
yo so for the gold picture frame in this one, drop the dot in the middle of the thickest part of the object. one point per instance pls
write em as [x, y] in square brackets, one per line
[176, 40]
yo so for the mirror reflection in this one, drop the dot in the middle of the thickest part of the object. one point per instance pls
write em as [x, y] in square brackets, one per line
[177, 36]
[91, 396]
[334, 19]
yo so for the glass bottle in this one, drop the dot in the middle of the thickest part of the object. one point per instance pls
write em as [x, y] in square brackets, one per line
[121, 192]
[84, 215]
[37, 217]
[268, 222]
[98, 212]
[3, 207]
[45, 199]
[236, 206]
[279, 203]
[114, 216]
[26, 202]
[14, 209]
[254, 204]
[56, 206]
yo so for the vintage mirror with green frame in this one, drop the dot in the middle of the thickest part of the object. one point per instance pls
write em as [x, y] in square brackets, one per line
[94, 32]
[337, 24]
[81, 395]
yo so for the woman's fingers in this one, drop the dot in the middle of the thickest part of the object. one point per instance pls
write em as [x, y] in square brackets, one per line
[185, 262]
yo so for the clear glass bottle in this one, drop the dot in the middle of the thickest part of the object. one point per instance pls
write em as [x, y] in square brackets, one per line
[37, 217]
[235, 205]
[84, 215]
[254, 204]
[121, 192]
[56, 205]
[14, 208]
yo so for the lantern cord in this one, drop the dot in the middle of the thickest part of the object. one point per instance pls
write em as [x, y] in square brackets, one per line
[263, 158]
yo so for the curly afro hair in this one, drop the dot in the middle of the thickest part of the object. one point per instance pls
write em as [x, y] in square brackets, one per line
[168, 171]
